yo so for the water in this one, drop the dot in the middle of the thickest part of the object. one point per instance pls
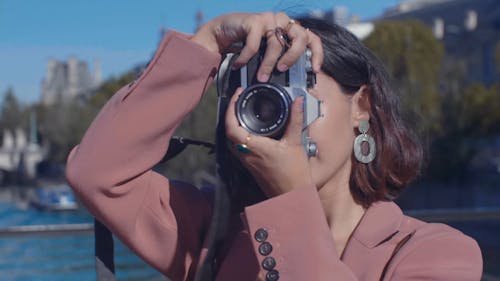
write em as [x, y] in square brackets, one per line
[60, 257]
[71, 257]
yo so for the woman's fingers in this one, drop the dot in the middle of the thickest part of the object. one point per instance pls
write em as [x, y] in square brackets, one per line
[258, 145]
[316, 47]
[256, 26]
[234, 131]
[274, 28]
[298, 38]
[251, 47]
[293, 132]
[278, 29]
[273, 52]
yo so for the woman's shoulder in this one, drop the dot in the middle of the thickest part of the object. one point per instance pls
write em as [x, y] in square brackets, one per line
[439, 248]
[432, 232]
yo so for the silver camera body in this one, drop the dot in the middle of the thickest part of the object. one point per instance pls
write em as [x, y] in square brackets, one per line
[264, 108]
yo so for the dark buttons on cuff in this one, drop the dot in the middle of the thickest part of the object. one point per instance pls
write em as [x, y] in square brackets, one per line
[268, 263]
[261, 235]
[272, 275]
[265, 248]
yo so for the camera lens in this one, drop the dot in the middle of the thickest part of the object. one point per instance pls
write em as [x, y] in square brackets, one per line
[263, 109]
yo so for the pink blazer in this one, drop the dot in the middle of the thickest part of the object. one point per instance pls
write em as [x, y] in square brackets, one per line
[165, 222]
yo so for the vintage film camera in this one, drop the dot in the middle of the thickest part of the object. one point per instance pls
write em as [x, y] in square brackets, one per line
[264, 108]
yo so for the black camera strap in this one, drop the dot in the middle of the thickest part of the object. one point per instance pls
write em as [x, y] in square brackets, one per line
[208, 268]
[104, 252]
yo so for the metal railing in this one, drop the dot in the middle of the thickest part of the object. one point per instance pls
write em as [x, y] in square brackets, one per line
[437, 215]
[50, 229]
[453, 215]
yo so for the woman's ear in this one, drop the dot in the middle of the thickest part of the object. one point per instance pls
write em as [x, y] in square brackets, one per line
[360, 105]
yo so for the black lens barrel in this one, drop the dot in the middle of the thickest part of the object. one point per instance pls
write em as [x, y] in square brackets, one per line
[264, 109]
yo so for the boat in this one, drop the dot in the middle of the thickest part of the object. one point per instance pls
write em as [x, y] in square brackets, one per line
[54, 198]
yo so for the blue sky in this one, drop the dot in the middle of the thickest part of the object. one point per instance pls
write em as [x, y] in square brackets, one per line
[120, 34]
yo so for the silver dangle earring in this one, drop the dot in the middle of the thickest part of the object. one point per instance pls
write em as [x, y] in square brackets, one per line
[360, 139]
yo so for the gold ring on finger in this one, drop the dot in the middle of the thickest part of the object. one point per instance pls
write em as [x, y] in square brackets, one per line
[282, 37]
[289, 24]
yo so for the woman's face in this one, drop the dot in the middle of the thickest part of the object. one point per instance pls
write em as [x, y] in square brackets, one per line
[334, 132]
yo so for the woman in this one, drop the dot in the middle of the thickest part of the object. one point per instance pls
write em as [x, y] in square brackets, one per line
[327, 217]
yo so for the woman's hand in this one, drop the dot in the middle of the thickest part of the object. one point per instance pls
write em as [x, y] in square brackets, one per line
[281, 165]
[278, 166]
[219, 34]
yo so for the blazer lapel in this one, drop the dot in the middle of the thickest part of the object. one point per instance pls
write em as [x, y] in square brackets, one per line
[374, 240]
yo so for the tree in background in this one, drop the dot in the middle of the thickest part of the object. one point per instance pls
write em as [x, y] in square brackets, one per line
[63, 126]
[195, 163]
[478, 107]
[413, 58]
[109, 87]
[470, 119]
[12, 115]
[454, 115]
[199, 125]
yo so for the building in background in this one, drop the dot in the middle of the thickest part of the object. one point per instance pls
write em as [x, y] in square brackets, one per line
[412, 5]
[65, 81]
[342, 16]
[469, 29]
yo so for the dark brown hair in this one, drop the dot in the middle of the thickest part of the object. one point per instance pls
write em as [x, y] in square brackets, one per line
[399, 153]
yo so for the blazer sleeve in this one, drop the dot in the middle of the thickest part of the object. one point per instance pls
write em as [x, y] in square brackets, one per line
[293, 231]
[110, 170]
[441, 254]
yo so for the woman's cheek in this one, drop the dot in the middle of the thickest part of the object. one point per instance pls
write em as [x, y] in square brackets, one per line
[333, 136]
